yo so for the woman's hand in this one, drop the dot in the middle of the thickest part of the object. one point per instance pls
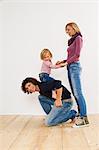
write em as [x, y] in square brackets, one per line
[59, 62]
[63, 64]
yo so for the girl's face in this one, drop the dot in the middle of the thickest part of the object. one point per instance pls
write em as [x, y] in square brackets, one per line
[30, 87]
[70, 31]
[47, 56]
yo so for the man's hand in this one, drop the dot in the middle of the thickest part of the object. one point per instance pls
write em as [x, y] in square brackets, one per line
[58, 103]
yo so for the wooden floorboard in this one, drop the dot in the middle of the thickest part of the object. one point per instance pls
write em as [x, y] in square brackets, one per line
[5, 120]
[29, 133]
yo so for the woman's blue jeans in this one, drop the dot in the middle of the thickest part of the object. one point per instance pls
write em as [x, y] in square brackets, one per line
[56, 115]
[74, 71]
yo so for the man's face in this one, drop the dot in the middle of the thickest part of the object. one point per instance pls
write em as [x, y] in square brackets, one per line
[30, 87]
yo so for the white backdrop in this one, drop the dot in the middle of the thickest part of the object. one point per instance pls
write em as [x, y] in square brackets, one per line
[26, 28]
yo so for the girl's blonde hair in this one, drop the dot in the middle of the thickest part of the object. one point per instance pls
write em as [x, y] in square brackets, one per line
[43, 53]
[74, 26]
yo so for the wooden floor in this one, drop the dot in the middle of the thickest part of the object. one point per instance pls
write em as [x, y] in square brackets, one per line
[30, 133]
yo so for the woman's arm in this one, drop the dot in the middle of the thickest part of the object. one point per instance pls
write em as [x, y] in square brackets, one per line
[59, 62]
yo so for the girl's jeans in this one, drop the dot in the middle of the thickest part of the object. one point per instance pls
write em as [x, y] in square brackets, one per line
[44, 77]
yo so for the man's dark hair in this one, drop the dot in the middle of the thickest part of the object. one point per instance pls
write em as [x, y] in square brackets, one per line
[27, 80]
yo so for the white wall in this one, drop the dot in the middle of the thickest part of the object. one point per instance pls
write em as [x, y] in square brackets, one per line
[28, 28]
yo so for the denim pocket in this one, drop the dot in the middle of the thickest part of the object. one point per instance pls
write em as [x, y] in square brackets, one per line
[75, 68]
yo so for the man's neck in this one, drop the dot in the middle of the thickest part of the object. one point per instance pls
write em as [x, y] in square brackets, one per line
[37, 88]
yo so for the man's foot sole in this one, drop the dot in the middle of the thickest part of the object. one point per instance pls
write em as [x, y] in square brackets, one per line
[80, 126]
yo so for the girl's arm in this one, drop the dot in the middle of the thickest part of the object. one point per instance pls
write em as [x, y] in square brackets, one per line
[56, 66]
[52, 66]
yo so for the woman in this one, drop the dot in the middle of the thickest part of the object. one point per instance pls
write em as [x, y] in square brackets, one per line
[74, 69]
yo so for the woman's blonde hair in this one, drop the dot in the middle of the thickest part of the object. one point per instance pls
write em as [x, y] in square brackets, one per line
[43, 53]
[74, 26]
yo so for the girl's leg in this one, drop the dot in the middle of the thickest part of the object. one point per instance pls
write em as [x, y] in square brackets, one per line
[44, 77]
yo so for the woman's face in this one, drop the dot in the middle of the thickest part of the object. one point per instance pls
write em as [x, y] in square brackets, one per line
[70, 31]
[30, 87]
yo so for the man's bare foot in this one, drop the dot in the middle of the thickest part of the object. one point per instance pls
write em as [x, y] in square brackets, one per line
[73, 120]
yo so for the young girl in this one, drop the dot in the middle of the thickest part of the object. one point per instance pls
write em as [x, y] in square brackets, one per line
[47, 65]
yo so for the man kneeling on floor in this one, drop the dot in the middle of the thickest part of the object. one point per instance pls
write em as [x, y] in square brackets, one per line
[58, 109]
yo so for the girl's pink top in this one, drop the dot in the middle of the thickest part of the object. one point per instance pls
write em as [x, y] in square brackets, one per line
[47, 66]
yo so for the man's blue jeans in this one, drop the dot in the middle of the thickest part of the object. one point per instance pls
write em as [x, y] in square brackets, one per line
[74, 71]
[56, 115]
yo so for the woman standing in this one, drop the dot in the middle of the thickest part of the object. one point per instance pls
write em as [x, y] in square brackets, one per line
[74, 69]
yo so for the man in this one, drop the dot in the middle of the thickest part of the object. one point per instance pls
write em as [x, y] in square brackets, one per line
[58, 109]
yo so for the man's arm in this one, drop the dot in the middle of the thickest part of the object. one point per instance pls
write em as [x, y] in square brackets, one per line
[58, 102]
